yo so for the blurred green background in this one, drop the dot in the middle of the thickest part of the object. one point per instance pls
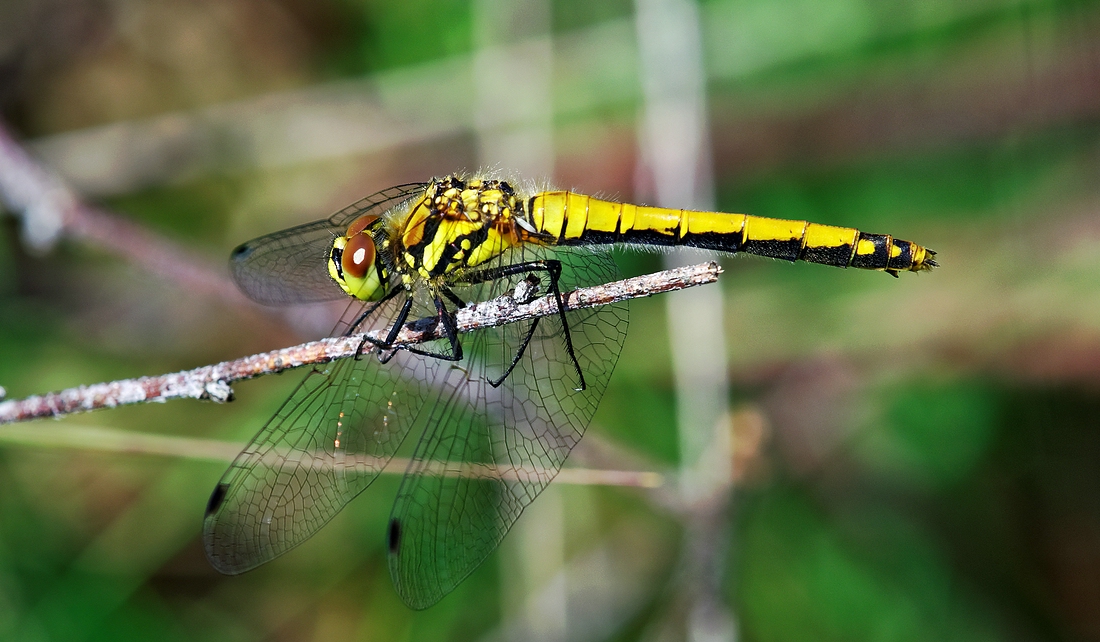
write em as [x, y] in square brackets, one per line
[914, 459]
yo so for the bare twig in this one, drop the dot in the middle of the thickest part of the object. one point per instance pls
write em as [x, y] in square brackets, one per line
[213, 382]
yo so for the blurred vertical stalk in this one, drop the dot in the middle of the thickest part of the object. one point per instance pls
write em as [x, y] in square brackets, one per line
[513, 67]
[673, 136]
[514, 118]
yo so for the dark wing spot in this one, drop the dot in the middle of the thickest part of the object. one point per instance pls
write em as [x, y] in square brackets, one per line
[241, 252]
[394, 537]
[216, 499]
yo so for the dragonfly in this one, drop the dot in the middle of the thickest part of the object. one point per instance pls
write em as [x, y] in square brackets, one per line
[497, 410]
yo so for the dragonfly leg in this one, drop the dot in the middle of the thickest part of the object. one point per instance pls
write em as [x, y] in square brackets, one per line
[386, 349]
[553, 270]
[449, 331]
[452, 297]
[363, 317]
[515, 358]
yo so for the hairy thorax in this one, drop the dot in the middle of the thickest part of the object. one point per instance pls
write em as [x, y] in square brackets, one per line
[458, 224]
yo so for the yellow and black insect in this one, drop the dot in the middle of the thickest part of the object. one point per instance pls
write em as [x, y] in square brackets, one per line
[498, 409]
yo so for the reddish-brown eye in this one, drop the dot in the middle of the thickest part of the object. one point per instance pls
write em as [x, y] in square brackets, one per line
[360, 224]
[358, 255]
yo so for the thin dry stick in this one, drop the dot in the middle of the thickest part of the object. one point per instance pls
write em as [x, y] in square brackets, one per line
[213, 382]
[109, 440]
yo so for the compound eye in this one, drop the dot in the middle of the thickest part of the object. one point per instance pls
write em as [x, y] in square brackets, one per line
[358, 255]
[360, 224]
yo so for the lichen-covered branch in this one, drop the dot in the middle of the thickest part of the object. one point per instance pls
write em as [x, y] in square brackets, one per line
[213, 382]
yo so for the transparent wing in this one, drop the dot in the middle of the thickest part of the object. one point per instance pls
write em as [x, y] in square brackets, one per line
[291, 266]
[488, 452]
[323, 447]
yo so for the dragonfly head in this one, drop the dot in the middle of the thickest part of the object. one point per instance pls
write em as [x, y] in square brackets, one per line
[353, 260]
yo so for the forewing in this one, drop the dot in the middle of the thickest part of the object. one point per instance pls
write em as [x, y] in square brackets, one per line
[489, 452]
[323, 447]
[291, 266]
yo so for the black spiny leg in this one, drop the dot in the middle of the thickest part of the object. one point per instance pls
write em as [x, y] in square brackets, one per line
[383, 346]
[449, 331]
[531, 281]
[452, 297]
[386, 345]
[519, 353]
[363, 316]
[553, 270]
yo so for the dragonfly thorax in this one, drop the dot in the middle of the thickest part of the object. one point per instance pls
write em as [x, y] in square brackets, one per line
[458, 224]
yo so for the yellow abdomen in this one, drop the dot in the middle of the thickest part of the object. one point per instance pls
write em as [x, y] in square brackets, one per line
[576, 219]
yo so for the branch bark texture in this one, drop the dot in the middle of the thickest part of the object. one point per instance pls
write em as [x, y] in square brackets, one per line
[214, 382]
